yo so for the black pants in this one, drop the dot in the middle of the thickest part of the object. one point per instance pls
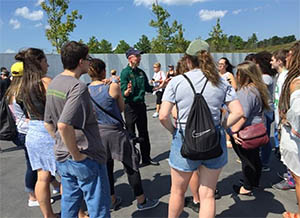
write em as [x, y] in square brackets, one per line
[136, 115]
[134, 178]
[251, 165]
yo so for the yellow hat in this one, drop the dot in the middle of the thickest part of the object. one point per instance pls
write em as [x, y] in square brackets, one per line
[17, 69]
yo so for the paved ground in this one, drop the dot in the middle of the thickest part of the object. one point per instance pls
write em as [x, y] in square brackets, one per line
[266, 201]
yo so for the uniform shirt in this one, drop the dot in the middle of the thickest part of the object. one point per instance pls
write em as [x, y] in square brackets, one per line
[139, 83]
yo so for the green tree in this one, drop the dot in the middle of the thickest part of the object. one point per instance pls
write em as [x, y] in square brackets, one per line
[143, 44]
[105, 46]
[122, 47]
[164, 41]
[218, 39]
[252, 41]
[93, 45]
[59, 31]
[236, 42]
[179, 43]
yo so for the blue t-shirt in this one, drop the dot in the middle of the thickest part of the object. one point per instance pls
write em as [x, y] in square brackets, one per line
[179, 91]
[100, 93]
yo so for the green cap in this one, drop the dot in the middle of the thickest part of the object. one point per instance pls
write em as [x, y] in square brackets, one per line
[197, 46]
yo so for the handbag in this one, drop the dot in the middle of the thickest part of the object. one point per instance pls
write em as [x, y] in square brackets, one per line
[132, 140]
[254, 136]
[8, 128]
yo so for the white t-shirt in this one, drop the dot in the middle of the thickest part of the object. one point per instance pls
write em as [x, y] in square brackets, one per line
[278, 87]
[160, 75]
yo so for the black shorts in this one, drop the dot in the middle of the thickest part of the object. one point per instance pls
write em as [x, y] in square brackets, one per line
[159, 95]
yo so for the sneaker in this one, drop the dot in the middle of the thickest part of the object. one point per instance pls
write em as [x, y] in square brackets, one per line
[155, 115]
[284, 185]
[265, 169]
[115, 206]
[56, 190]
[148, 204]
[283, 176]
[189, 202]
[32, 203]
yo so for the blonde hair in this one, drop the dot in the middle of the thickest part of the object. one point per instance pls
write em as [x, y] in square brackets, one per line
[157, 64]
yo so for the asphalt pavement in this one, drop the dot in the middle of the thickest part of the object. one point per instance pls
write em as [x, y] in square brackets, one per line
[156, 180]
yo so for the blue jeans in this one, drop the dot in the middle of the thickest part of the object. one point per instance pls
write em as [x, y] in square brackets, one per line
[84, 179]
[30, 175]
[266, 150]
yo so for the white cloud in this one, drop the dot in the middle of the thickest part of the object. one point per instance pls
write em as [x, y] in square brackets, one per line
[9, 51]
[257, 8]
[47, 27]
[38, 3]
[34, 15]
[167, 2]
[209, 15]
[120, 9]
[38, 24]
[15, 23]
[237, 11]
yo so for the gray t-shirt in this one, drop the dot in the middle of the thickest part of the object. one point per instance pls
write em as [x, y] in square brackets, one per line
[252, 105]
[179, 91]
[68, 101]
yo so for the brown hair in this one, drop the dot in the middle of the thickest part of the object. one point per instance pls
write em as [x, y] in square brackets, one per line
[71, 53]
[32, 78]
[248, 73]
[14, 88]
[293, 66]
[281, 55]
[181, 67]
[97, 69]
[263, 59]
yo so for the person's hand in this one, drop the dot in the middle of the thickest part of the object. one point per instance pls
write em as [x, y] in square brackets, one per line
[79, 157]
[129, 89]
[237, 140]
[106, 81]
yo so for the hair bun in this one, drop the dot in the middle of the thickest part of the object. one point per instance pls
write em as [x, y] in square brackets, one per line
[20, 56]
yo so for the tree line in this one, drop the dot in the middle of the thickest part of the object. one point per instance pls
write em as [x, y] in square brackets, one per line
[169, 38]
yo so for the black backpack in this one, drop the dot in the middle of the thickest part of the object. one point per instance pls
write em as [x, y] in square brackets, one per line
[8, 128]
[202, 138]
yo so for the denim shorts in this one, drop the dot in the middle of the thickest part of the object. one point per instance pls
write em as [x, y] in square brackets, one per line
[180, 163]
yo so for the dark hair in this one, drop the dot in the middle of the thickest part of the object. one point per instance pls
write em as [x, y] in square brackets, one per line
[293, 72]
[32, 84]
[263, 59]
[281, 55]
[249, 57]
[248, 72]
[97, 69]
[3, 69]
[71, 53]
[229, 66]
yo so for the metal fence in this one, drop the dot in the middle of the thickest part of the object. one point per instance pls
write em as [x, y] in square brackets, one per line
[119, 61]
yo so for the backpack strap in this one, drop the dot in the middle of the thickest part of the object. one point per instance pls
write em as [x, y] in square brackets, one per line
[191, 84]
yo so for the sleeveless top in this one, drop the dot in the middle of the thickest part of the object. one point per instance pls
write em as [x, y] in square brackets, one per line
[20, 117]
[100, 93]
[39, 108]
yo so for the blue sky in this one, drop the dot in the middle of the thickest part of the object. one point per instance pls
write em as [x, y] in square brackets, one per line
[23, 22]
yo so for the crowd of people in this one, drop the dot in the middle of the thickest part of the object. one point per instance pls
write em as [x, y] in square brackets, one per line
[75, 131]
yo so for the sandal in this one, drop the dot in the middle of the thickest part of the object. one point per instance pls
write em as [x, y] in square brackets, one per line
[290, 215]
[237, 190]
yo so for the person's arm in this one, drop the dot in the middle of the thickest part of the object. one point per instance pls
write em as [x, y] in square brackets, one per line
[50, 128]
[67, 134]
[232, 81]
[164, 116]
[235, 112]
[148, 87]
[46, 81]
[115, 92]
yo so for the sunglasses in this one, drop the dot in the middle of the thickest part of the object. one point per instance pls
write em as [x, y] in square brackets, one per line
[88, 58]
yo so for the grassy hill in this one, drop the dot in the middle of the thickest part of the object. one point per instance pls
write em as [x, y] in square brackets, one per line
[269, 48]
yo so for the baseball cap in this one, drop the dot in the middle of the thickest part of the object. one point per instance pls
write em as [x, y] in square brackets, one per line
[132, 51]
[197, 46]
[17, 69]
